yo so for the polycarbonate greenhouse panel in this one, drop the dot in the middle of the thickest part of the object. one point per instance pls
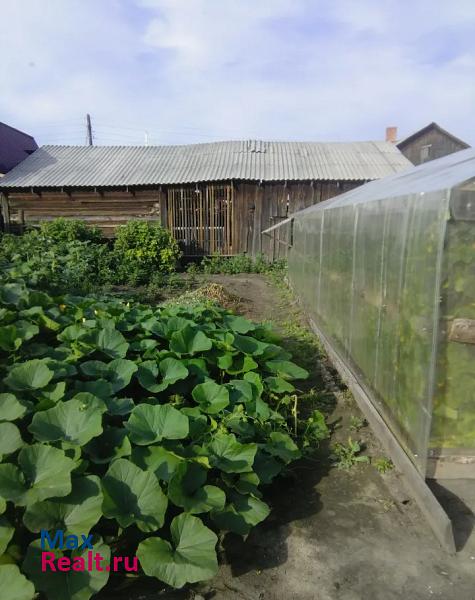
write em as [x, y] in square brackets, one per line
[383, 271]
[453, 423]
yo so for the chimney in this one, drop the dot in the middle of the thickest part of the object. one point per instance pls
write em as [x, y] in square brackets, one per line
[391, 134]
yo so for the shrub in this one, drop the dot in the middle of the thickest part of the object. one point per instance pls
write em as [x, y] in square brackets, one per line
[232, 265]
[146, 428]
[142, 248]
[69, 230]
[54, 266]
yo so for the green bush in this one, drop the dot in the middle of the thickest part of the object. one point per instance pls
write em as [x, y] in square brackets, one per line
[150, 429]
[43, 263]
[232, 265]
[141, 249]
[64, 255]
[69, 230]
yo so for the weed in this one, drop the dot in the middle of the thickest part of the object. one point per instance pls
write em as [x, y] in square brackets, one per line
[383, 464]
[346, 456]
[357, 423]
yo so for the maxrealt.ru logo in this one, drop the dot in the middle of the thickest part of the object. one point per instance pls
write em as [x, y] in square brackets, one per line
[91, 561]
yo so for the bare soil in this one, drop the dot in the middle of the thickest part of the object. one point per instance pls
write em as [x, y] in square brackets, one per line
[332, 534]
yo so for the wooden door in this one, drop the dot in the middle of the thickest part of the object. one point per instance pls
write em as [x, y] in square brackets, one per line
[201, 218]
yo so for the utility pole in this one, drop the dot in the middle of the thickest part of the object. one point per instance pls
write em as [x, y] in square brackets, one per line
[89, 129]
[146, 137]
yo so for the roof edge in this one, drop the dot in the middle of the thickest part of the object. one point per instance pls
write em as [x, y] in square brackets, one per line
[433, 125]
[19, 131]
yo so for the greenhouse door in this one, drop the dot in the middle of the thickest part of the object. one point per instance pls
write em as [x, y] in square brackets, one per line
[201, 218]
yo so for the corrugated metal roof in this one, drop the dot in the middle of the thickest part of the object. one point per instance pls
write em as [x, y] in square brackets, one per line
[100, 166]
[440, 174]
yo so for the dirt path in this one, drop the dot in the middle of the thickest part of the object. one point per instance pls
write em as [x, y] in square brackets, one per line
[334, 534]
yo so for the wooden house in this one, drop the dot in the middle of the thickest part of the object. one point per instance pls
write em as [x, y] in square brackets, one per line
[214, 197]
[429, 143]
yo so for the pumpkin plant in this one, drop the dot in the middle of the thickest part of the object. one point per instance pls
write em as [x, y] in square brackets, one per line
[150, 429]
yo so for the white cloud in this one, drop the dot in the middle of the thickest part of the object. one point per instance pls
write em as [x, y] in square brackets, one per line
[196, 70]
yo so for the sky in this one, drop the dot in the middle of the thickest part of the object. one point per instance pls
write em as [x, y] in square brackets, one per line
[185, 71]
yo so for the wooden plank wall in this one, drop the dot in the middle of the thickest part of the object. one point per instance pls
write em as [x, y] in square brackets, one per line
[255, 208]
[105, 209]
[259, 207]
[440, 145]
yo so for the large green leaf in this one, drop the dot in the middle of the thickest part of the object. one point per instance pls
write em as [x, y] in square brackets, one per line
[117, 372]
[75, 514]
[241, 514]
[190, 558]
[286, 369]
[189, 340]
[10, 439]
[282, 446]
[53, 391]
[170, 369]
[240, 364]
[60, 368]
[26, 330]
[211, 397]
[6, 533]
[143, 345]
[73, 421]
[10, 341]
[241, 391]
[255, 379]
[158, 459]
[187, 490]
[73, 332]
[10, 338]
[266, 467]
[133, 496]
[173, 324]
[68, 585]
[119, 406]
[150, 423]
[12, 293]
[238, 324]
[111, 444]
[120, 373]
[30, 375]
[198, 421]
[249, 345]
[229, 455]
[111, 342]
[244, 483]
[99, 388]
[43, 472]
[277, 385]
[94, 368]
[14, 585]
[197, 368]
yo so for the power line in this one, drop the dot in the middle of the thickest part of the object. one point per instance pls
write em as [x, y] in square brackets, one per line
[107, 133]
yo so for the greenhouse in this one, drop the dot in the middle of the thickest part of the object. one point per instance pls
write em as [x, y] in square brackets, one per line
[386, 273]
